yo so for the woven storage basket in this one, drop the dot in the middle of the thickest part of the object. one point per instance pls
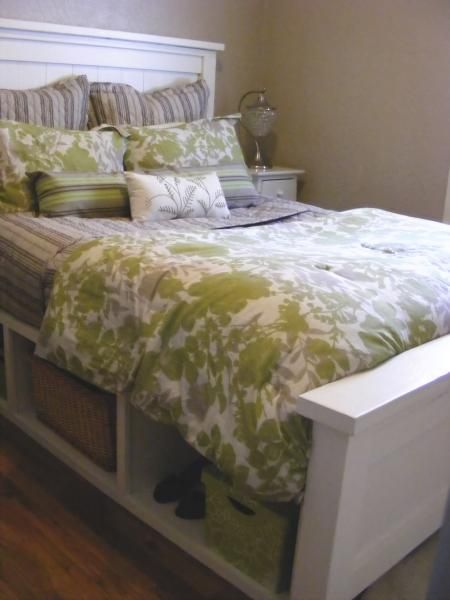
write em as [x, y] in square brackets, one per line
[256, 537]
[80, 413]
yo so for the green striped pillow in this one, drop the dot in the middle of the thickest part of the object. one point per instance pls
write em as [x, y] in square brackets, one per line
[81, 194]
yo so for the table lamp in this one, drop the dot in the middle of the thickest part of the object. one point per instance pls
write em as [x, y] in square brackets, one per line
[257, 119]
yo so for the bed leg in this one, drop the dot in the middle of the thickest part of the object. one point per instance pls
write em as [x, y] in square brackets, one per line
[329, 518]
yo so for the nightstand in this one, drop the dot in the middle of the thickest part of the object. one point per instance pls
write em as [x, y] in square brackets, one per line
[278, 182]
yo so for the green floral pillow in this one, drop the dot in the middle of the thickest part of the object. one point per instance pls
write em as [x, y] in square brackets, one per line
[204, 143]
[26, 148]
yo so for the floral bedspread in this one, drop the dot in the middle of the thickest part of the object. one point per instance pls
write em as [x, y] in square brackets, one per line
[218, 332]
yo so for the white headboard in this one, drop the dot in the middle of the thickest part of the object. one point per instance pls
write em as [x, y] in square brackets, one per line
[33, 54]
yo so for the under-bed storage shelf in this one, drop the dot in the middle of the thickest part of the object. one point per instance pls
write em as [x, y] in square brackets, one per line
[32, 426]
[146, 452]
[18, 407]
[154, 451]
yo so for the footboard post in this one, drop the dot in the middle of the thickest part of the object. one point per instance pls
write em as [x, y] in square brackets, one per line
[334, 492]
[379, 471]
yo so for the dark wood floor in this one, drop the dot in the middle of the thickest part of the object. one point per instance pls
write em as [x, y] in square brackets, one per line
[60, 539]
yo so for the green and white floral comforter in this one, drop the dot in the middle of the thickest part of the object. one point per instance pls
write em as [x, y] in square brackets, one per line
[219, 331]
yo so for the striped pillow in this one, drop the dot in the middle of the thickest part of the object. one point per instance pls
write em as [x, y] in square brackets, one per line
[63, 104]
[121, 104]
[81, 194]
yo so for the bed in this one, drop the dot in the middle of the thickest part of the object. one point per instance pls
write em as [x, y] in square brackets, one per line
[370, 496]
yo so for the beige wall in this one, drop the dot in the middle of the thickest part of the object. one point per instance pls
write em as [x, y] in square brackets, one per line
[363, 90]
[362, 86]
[236, 23]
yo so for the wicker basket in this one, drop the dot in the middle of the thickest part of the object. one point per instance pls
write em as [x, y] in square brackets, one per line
[80, 413]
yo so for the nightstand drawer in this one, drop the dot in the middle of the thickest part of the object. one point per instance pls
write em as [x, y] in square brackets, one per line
[280, 188]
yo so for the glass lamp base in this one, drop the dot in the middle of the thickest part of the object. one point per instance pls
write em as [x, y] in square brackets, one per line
[258, 162]
[260, 167]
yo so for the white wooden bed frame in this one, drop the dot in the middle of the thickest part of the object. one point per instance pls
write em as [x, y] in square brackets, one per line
[380, 467]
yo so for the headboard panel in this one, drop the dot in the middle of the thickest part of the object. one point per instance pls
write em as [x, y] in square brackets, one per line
[33, 54]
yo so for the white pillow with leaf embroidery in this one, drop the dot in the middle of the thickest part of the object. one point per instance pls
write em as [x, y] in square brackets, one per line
[164, 197]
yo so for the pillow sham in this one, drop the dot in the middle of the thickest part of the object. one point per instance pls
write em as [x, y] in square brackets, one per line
[203, 143]
[119, 104]
[27, 148]
[164, 197]
[63, 104]
[81, 194]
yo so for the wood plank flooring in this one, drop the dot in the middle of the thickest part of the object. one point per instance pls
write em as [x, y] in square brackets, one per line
[61, 539]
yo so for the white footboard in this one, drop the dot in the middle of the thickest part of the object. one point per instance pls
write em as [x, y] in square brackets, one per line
[379, 472]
